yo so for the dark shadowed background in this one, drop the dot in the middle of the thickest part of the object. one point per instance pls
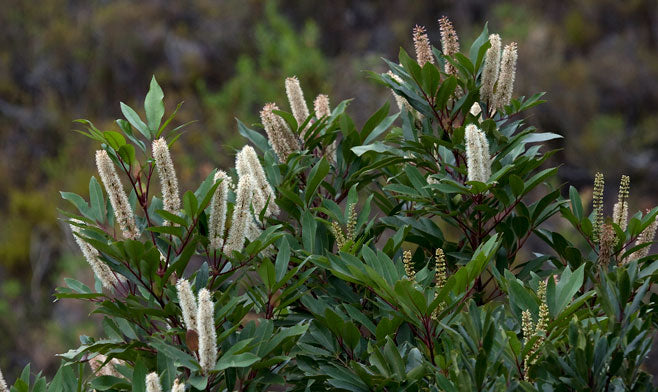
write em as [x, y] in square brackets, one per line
[66, 59]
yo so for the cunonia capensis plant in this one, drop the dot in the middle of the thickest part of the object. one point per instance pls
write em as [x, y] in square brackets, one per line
[394, 256]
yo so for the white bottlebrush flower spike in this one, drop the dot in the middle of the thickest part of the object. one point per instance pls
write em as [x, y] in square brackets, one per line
[217, 220]
[247, 163]
[167, 174]
[153, 383]
[101, 270]
[241, 215]
[3, 384]
[178, 386]
[206, 331]
[296, 100]
[505, 84]
[118, 198]
[478, 160]
[108, 369]
[322, 109]
[491, 69]
[449, 43]
[281, 138]
[422, 46]
[620, 210]
[399, 100]
[321, 106]
[620, 214]
[187, 303]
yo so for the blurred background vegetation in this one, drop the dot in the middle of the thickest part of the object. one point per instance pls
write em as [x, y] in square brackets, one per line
[66, 59]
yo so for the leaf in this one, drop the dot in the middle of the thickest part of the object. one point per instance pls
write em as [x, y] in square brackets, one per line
[79, 203]
[127, 154]
[373, 122]
[134, 120]
[445, 91]
[139, 376]
[190, 203]
[576, 204]
[567, 287]
[541, 137]
[256, 138]
[477, 44]
[315, 177]
[114, 139]
[282, 259]
[154, 106]
[96, 200]
[381, 128]
[376, 147]
[238, 361]
[516, 183]
[180, 357]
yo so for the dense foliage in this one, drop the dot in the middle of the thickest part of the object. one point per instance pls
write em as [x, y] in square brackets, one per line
[378, 264]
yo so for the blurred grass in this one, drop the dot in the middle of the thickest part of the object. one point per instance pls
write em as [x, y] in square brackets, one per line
[67, 59]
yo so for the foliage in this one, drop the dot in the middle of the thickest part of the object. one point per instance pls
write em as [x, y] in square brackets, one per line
[325, 296]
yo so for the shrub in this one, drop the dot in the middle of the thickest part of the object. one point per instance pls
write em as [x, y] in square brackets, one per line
[390, 257]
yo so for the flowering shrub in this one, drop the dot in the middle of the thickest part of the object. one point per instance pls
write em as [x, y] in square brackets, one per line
[391, 257]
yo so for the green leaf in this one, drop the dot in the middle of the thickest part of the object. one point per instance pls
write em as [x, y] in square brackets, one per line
[180, 357]
[236, 361]
[315, 177]
[190, 203]
[282, 259]
[79, 203]
[114, 139]
[139, 376]
[567, 287]
[445, 91]
[96, 200]
[373, 122]
[576, 205]
[134, 120]
[127, 154]
[516, 183]
[477, 44]
[154, 106]
[256, 138]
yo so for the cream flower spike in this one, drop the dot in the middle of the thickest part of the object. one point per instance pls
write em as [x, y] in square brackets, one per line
[505, 85]
[449, 42]
[597, 204]
[399, 100]
[187, 303]
[491, 69]
[422, 46]
[478, 159]
[241, 215]
[153, 383]
[322, 109]
[247, 162]
[178, 386]
[620, 209]
[206, 331]
[167, 174]
[217, 220]
[118, 198]
[101, 270]
[3, 384]
[282, 139]
[296, 99]
[96, 364]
